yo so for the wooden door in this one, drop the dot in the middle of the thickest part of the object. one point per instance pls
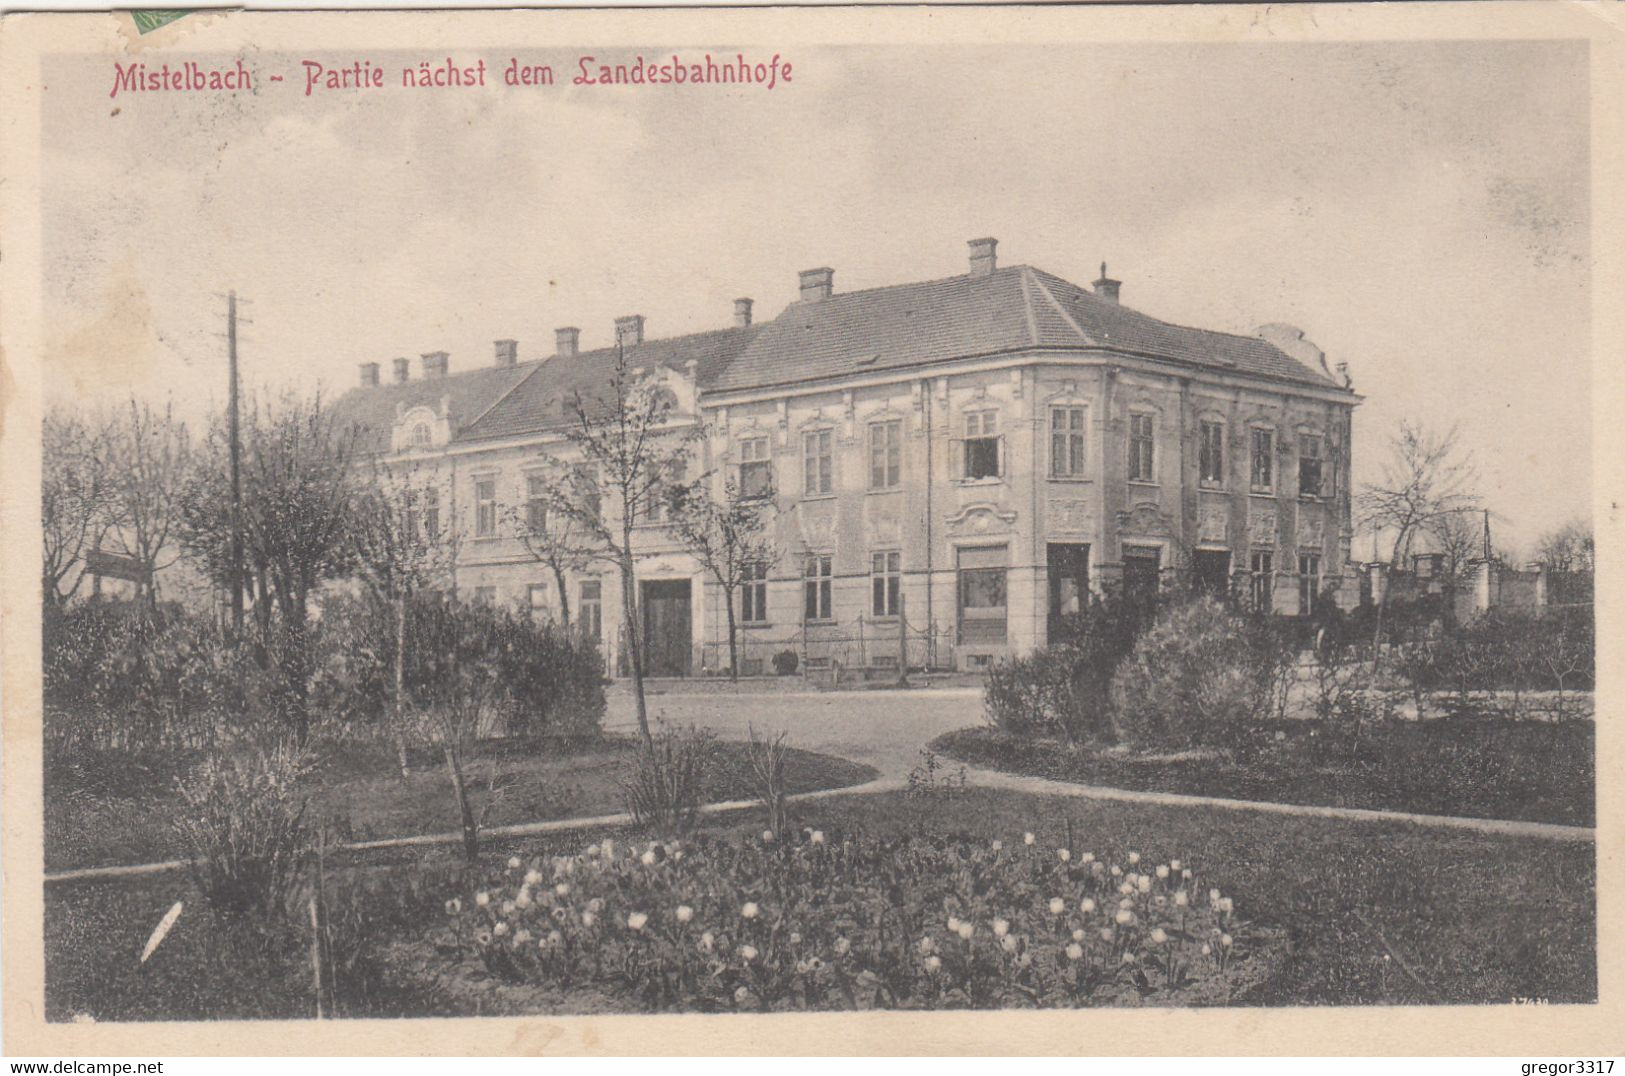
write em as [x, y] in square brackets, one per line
[667, 627]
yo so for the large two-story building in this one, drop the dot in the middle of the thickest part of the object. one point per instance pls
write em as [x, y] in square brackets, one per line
[954, 462]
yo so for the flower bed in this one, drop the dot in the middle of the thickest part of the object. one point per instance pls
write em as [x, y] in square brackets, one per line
[764, 924]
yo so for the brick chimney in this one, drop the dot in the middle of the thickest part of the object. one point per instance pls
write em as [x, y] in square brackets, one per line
[742, 312]
[369, 374]
[1106, 287]
[507, 352]
[817, 284]
[983, 256]
[434, 364]
[403, 370]
[567, 342]
[629, 330]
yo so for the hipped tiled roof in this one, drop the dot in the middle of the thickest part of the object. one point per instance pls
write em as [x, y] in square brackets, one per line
[1014, 309]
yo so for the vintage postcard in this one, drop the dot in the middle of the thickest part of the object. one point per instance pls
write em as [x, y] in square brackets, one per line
[928, 530]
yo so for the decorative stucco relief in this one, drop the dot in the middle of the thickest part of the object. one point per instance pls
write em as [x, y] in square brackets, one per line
[1263, 525]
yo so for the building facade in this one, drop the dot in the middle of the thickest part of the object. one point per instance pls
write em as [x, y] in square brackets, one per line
[951, 465]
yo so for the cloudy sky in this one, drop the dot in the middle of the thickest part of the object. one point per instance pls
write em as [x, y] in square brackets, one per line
[1420, 210]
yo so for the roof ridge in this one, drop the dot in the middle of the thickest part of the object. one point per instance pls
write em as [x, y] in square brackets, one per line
[1027, 302]
[1056, 303]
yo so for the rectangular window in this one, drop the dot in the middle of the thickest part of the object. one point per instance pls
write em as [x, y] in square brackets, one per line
[753, 594]
[590, 611]
[535, 504]
[817, 577]
[1066, 442]
[818, 462]
[1308, 583]
[485, 507]
[536, 601]
[885, 454]
[886, 583]
[431, 513]
[755, 468]
[1142, 448]
[1263, 460]
[588, 497]
[981, 444]
[1309, 465]
[983, 596]
[1262, 567]
[1211, 463]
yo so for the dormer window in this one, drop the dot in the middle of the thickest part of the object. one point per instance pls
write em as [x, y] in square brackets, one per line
[420, 437]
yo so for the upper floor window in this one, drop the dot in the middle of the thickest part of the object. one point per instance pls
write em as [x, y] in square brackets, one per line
[1210, 465]
[885, 454]
[755, 468]
[420, 437]
[1263, 460]
[886, 578]
[485, 507]
[1066, 440]
[817, 580]
[982, 444]
[535, 504]
[1142, 448]
[1311, 472]
[818, 462]
[753, 593]
[588, 497]
[431, 512]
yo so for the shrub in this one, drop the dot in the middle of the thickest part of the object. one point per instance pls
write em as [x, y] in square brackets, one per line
[766, 759]
[243, 827]
[844, 922]
[1064, 689]
[126, 677]
[785, 662]
[1193, 676]
[668, 784]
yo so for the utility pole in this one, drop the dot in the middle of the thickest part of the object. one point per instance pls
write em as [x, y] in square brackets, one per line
[236, 476]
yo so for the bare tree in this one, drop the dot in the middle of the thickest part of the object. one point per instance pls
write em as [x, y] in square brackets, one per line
[75, 498]
[553, 538]
[1458, 537]
[1569, 548]
[630, 454]
[149, 452]
[728, 535]
[401, 550]
[1427, 478]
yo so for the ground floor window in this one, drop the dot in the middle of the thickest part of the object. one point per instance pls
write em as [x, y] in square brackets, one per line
[753, 594]
[536, 600]
[1308, 583]
[886, 580]
[1213, 571]
[817, 580]
[1262, 567]
[1068, 565]
[1142, 565]
[485, 595]
[983, 594]
[590, 611]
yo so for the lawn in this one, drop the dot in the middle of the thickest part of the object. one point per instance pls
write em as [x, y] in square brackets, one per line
[1364, 913]
[116, 809]
[1477, 768]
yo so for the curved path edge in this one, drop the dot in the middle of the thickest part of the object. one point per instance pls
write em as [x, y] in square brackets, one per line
[1016, 782]
[975, 776]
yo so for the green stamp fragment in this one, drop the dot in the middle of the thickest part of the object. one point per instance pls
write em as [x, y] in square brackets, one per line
[149, 19]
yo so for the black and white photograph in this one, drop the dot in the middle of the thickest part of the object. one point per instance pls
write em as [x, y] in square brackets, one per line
[923, 512]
